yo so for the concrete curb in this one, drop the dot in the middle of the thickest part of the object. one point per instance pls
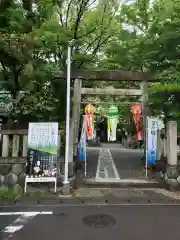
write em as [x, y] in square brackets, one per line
[129, 184]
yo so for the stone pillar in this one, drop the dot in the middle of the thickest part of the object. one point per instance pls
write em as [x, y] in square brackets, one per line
[172, 143]
[165, 148]
[74, 130]
[76, 116]
[172, 174]
[15, 146]
[25, 145]
[5, 146]
[145, 111]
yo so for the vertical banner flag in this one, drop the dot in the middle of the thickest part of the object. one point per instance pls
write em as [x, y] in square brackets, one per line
[153, 126]
[42, 149]
[138, 120]
[112, 122]
[89, 111]
[82, 142]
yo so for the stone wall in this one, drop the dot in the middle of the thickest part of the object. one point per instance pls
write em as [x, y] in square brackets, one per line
[12, 171]
[170, 176]
[13, 156]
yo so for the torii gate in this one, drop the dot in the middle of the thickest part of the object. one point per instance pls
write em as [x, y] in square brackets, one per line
[79, 75]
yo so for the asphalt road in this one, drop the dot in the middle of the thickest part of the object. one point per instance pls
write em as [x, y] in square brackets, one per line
[92, 162]
[126, 222]
[127, 164]
[6, 220]
[122, 215]
[119, 214]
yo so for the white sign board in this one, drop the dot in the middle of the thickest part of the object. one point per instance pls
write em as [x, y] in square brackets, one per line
[42, 153]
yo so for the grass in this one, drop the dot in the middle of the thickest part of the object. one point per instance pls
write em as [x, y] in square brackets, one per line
[10, 193]
[42, 195]
[16, 193]
[13, 194]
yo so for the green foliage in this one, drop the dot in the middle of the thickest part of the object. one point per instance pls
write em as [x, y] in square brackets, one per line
[11, 193]
[33, 50]
[139, 35]
[149, 40]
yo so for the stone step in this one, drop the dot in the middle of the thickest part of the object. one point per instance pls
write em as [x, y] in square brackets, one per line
[122, 183]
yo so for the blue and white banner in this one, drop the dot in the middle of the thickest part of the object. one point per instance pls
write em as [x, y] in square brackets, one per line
[82, 143]
[153, 125]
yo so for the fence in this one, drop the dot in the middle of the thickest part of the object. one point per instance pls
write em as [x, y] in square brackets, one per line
[13, 154]
[13, 143]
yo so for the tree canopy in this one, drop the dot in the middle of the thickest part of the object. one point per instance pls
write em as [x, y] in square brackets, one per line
[113, 35]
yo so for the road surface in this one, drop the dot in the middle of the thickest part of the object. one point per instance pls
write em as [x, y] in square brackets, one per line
[87, 222]
[110, 164]
[127, 214]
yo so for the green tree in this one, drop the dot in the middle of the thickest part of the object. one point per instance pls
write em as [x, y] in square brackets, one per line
[149, 40]
[33, 46]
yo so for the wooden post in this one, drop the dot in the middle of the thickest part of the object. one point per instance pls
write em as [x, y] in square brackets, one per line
[25, 145]
[5, 146]
[15, 146]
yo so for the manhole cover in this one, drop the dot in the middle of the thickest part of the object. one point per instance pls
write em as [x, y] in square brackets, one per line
[99, 220]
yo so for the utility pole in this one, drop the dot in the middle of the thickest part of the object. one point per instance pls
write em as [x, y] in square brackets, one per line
[66, 184]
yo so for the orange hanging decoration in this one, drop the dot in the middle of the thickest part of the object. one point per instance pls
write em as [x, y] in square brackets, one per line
[89, 118]
[137, 115]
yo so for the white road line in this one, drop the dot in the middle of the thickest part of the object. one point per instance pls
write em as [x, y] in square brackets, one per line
[13, 229]
[24, 213]
[113, 165]
[106, 172]
[105, 153]
[19, 223]
[98, 165]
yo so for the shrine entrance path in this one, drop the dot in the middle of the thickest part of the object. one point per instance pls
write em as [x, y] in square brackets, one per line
[111, 163]
[129, 163]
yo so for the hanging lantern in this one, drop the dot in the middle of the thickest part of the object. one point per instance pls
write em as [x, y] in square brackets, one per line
[112, 122]
[113, 111]
[89, 120]
[89, 109]
[136, 109]
[137, 115]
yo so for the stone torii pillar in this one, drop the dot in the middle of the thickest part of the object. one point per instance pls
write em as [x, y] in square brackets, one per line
[172, 174]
